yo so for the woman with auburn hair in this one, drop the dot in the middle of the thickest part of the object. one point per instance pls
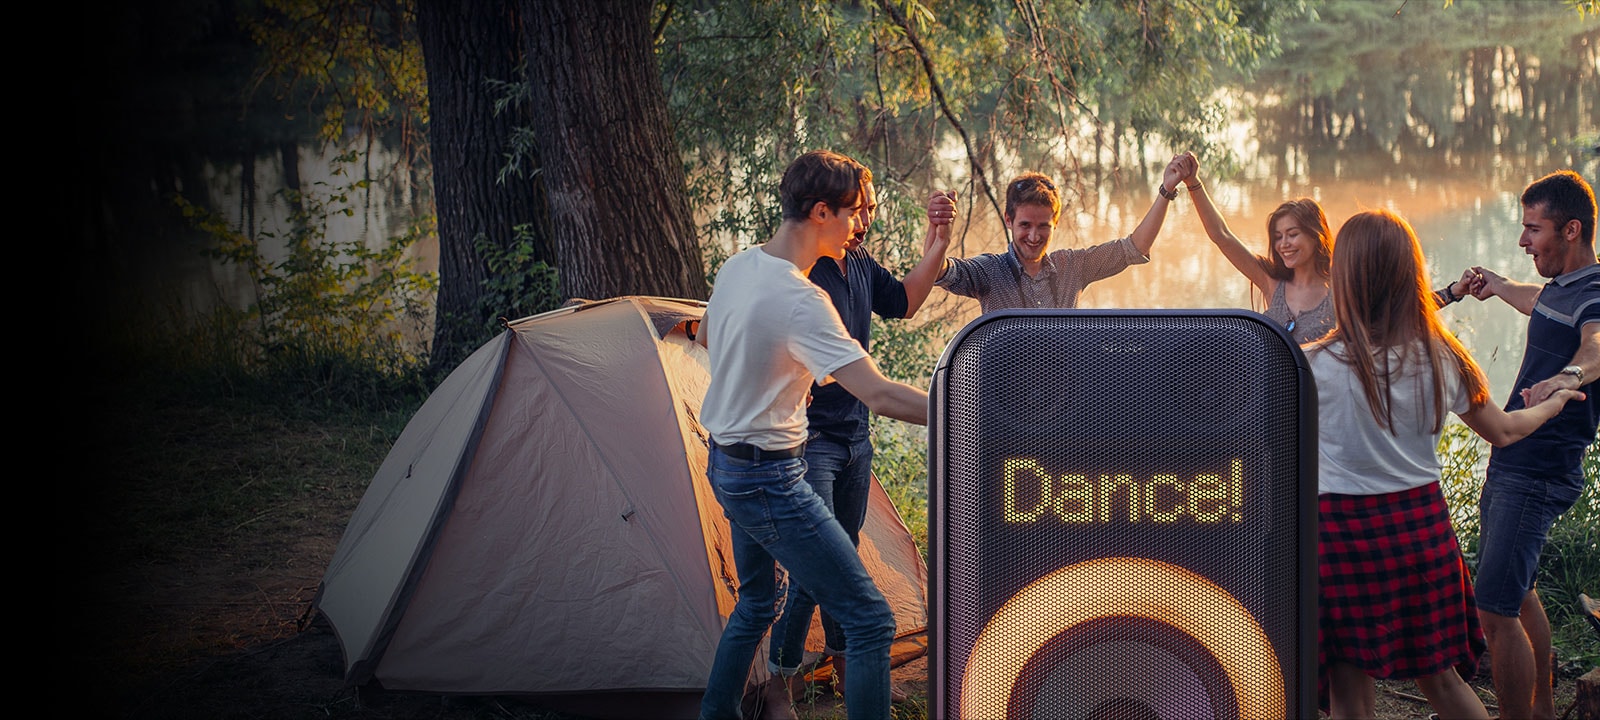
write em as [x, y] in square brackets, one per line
[1395, 598]
[1293, 276]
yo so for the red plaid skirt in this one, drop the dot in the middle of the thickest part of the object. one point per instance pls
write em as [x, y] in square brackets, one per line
[1395, 598]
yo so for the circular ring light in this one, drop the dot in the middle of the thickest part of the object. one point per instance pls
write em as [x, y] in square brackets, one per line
[1123, 587]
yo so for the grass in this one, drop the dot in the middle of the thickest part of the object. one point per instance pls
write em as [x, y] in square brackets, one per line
[235, 464]
[1570, 564]
[188, 469]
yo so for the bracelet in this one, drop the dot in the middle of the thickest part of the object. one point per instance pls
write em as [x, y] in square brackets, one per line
[1191, 188]
[1168, 194]
[1449, 294]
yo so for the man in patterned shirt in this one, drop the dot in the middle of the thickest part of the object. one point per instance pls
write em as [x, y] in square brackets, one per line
[1028, 275]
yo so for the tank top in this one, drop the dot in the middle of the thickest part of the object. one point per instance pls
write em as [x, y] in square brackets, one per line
[1303, 327]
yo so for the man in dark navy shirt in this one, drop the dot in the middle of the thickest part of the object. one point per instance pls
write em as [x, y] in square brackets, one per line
[1530, 483]
[839, 446]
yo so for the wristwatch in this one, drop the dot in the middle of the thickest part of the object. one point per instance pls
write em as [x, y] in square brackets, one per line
[1574, 371]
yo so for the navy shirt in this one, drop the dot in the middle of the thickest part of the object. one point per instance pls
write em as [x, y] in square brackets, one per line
[1555, 450]
[867, 289]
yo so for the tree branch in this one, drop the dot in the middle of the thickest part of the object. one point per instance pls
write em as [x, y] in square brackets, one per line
[661, 25]
[944, 105]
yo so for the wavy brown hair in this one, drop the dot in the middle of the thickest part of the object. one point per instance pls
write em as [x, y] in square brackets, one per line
[821, 176]
[1313, 221]
[1031, 188]
[1381, 302]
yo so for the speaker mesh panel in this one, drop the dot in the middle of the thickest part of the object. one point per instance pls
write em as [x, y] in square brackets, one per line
[1088, 399]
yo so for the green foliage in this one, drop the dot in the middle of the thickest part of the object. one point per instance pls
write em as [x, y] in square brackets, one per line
[520, 158]
[518, 285]
[1462, 459]
[355, 63]
[332, 317]
[1569, 566]
[900, 462]
[1570, 563]
[1388, 69]
[897, 84]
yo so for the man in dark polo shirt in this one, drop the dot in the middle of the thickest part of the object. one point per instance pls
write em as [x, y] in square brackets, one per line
[1532, 482]
[839, 445]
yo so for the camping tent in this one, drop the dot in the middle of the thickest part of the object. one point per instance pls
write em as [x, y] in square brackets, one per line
[543, 525]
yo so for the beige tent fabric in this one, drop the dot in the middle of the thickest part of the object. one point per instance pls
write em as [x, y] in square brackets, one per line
[389, 529]
[573, 546]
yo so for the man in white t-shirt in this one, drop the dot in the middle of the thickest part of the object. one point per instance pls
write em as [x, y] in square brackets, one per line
[771, 333]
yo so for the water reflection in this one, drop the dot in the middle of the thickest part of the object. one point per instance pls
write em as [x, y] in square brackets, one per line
[1358, 119]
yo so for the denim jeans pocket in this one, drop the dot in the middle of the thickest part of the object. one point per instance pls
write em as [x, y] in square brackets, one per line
[750, 511]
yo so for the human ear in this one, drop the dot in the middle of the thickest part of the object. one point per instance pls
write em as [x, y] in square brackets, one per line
[819, 211]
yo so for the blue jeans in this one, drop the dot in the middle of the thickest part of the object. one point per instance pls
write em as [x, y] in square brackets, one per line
[840, 473]
[775, 516]
[1515, 515]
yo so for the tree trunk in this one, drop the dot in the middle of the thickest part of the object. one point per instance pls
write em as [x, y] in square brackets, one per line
[1587, 701]
[618, 197]
[465, 45]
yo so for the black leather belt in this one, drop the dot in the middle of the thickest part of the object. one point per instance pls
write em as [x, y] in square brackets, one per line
[746, 451]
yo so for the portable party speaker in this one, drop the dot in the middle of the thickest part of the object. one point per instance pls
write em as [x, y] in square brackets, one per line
[1122, 517]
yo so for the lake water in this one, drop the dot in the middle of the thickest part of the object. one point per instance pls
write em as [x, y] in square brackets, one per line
[1456, 180]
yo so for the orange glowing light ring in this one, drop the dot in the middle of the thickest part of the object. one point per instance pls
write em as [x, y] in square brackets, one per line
[1129, 587]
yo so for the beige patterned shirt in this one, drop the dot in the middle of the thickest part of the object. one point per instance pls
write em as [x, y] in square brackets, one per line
[998, 282]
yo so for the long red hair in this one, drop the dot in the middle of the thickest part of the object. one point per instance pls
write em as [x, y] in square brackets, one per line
[1381, 302]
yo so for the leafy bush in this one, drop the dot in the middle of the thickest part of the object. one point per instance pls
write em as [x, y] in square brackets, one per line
[1570, 563]
[517, 283]
[331, 320]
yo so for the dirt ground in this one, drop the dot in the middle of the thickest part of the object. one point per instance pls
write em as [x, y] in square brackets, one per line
[219, 637]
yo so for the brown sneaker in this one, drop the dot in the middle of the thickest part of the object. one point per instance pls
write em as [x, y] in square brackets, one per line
[772, 701]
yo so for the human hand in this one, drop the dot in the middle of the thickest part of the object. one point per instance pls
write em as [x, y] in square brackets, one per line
[941, 215]
[1176, 171]
[1469, 284]
[1191, 167]
[942, 207]
[1552, 389]
[1490, 283]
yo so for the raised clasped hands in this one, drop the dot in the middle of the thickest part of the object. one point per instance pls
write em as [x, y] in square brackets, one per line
[942, 207]
[1191, 167]
[941, 215]
[1182, 167]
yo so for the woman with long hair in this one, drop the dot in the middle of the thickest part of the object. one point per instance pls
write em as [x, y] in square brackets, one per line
[1293, 276]
[1395, 598]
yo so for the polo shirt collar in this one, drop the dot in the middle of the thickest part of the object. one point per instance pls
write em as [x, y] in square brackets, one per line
[1569, 278]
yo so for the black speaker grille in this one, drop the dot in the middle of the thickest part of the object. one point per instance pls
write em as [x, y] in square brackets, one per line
[1168, 442]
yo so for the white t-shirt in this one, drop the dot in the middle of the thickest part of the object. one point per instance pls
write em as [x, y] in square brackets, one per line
[1357, 457]
[770, 333]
